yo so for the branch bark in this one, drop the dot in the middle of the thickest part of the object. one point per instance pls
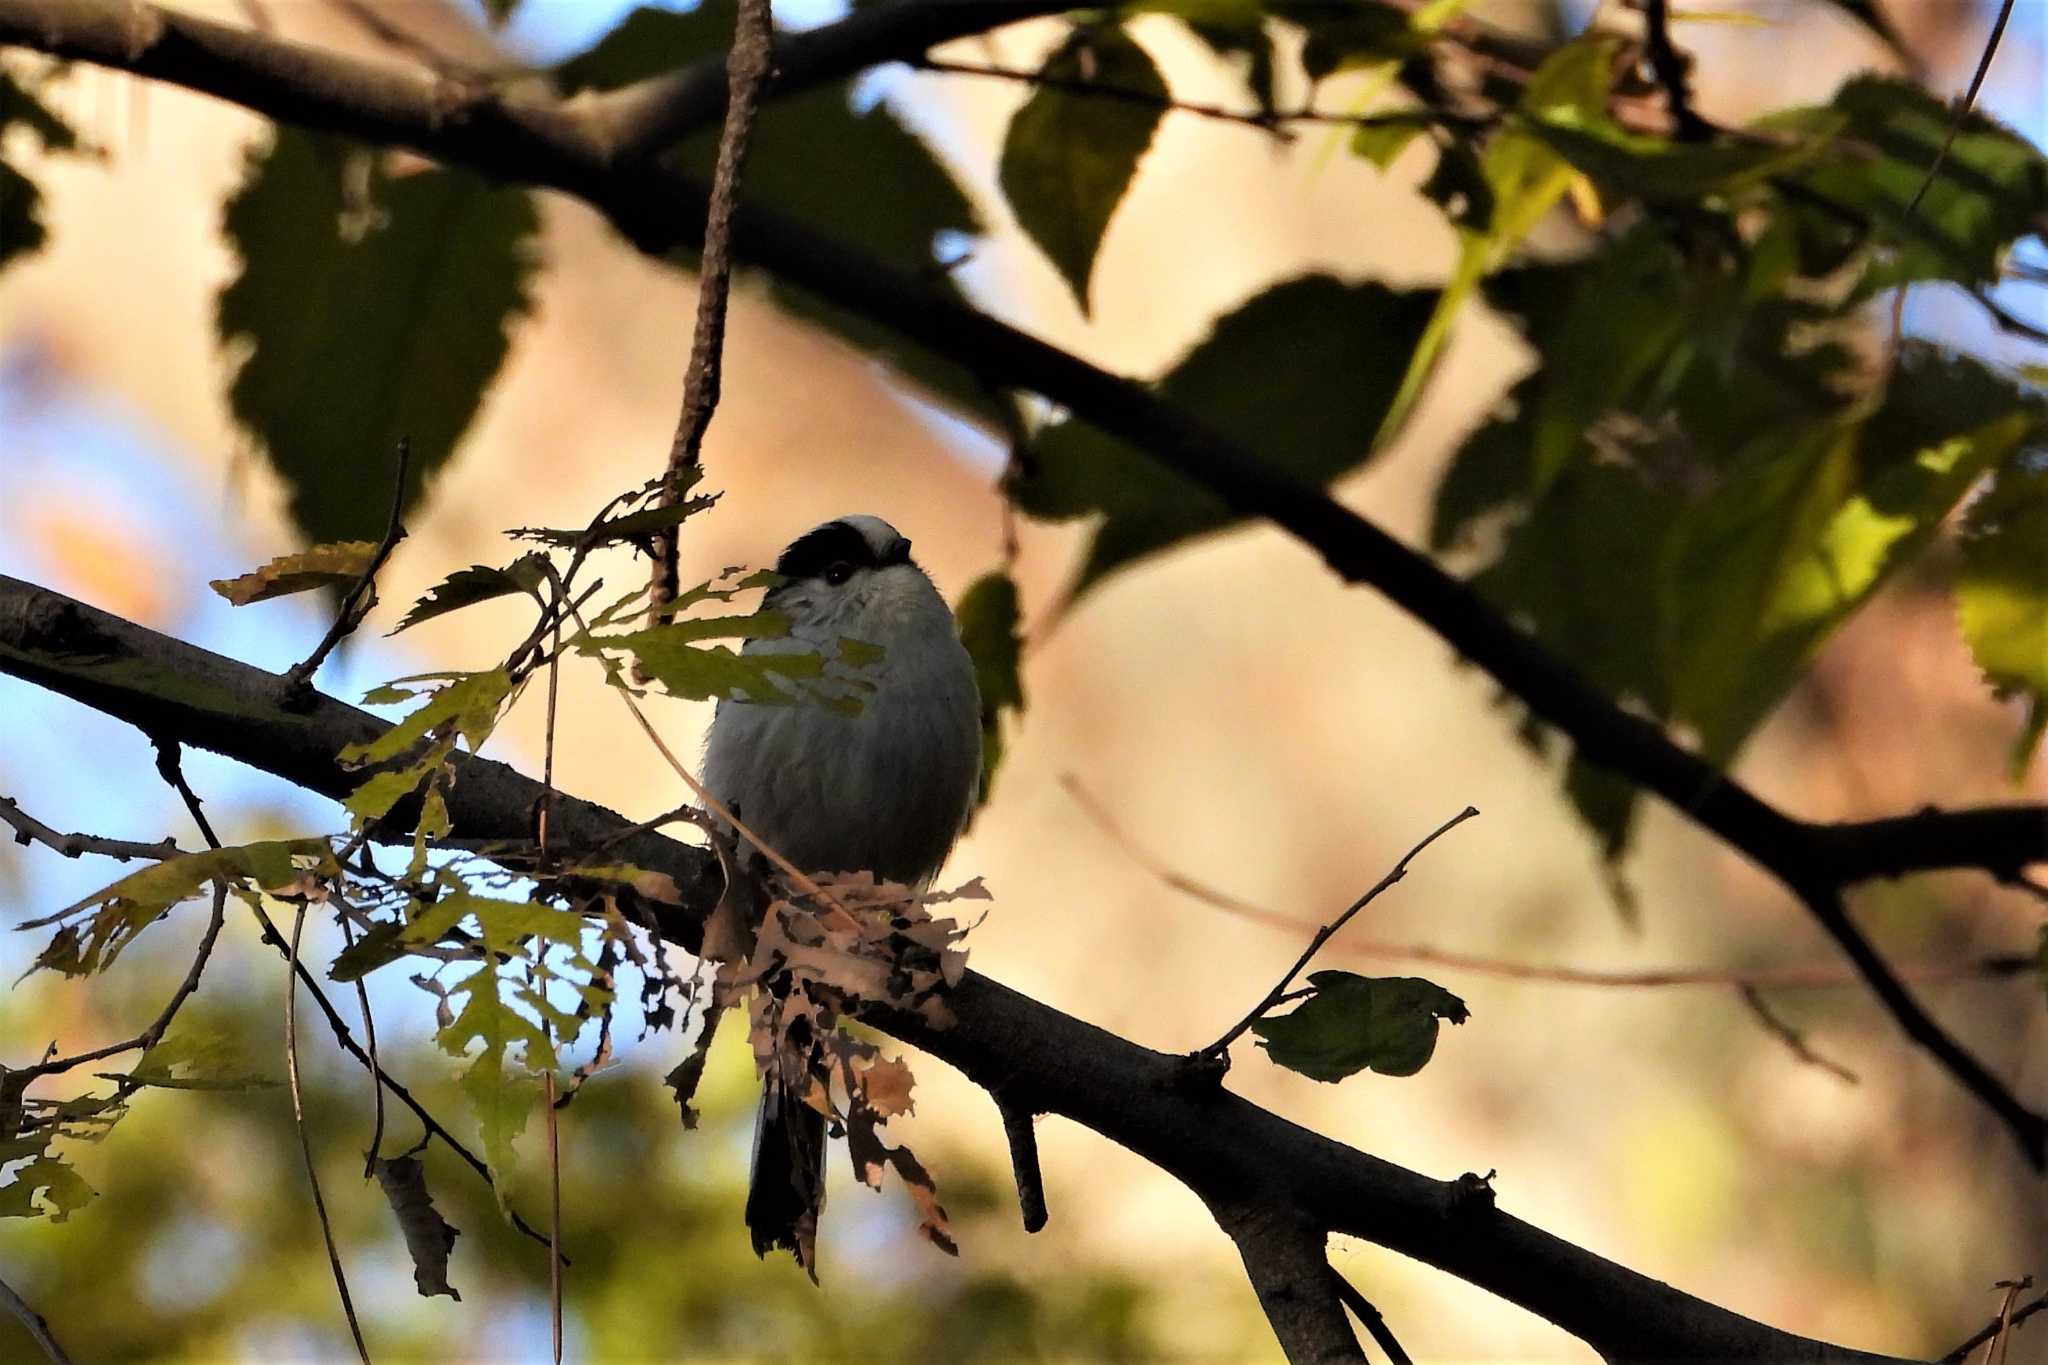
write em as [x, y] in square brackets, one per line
[1234, 1155]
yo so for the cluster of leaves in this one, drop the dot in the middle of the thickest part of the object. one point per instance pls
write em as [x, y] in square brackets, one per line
[820, 952]
[1711, 404]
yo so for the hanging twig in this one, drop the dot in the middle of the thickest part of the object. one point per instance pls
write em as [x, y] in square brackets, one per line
[299, 679]
[1329, 931]
[747, 70]
[1672, 69]
[291, 1071]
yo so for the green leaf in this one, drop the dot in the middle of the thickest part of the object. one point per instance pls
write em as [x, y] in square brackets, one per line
[1991, 188]
[45, 1187]
[378, 946]
[468, 706]
[477, 583]
[323, 566]
[896, 207]
[1069, 156]
[192, 1058]
[368, 307]
[1808, 524]
[1525, 179]
[1343, 37]
[670, 655]
[988, 621]
[1657, 169]
[132, 904]
[1312, 415]
[500, 1091]
[1359, 1023]
[2002, 592]
[505, 925]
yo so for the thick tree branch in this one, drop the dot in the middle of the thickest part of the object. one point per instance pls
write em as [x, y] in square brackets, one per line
[1285, 1256]
[1234, 1155]
[533, 140]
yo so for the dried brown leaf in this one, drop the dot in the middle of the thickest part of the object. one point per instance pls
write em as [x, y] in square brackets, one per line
[429, 1237]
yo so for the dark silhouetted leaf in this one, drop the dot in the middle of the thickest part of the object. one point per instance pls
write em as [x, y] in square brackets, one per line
[429, 1238]
[360, 318]
[1355, 1023]
[1069, 155]
[21, 203]
[477, 583]
[1325, 355]
[988, 620]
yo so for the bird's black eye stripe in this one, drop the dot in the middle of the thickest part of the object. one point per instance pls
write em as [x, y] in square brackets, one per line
[814, 554]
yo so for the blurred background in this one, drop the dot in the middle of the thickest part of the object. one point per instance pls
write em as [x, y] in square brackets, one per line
[1245, 719]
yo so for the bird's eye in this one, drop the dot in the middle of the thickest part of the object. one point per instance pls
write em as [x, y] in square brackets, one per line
[839, 572]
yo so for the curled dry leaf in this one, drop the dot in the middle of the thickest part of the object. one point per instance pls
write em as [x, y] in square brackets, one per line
[335, 565]
[429, 1237]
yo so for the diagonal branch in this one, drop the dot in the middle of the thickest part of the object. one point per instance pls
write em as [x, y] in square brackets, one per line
[533, 140]
[1236, 1156]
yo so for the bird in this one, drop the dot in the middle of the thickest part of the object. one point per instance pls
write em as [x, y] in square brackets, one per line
[886, 788]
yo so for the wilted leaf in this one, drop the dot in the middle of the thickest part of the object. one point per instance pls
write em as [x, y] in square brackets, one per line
[477, 583]
[987, 617]
[324, 566]
[1358, 1023]
[132, 904]
[1313, 416]
[369, 307]
[1069, 154]
[429, 1238]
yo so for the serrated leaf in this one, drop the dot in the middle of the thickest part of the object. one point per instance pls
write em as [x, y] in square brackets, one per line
[368, 307]
[1069, 155]
[1312, 415]
[501, 1092]
[671, 656]
[897, 208]
[378, 946]
[468, 706]
[2002, 593]
[1808, 524]
[1358, 1023]
[988, 622]
[477, 583]
[1990, 188]
[505, 925]
[337, 565]
[193, 1058]
[132, 904]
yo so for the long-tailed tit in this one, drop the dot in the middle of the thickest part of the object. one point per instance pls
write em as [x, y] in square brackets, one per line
[885, 789]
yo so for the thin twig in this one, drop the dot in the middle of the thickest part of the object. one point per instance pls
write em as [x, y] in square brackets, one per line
[2002, 1325]
[28, 829]
[1376, 1326]
[291, 1071]
[1252, 118]
[38, 1328]
[547, 801]
[1969, 102]
[747, 69]
[376, 1147]
[1329, 931]
[350, 616]
[1790, 1036]
[1790, 976]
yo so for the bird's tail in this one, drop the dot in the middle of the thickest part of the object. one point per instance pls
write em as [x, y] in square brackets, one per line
[786, 1190]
